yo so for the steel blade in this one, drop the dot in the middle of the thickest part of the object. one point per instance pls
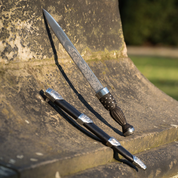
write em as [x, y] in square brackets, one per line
[74, 54]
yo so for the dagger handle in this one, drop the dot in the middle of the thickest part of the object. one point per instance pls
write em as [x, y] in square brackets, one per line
[116, 113]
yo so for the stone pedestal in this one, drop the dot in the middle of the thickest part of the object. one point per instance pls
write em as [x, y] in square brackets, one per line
[39, 140]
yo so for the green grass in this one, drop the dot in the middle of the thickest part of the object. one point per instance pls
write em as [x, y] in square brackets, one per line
[161, 71]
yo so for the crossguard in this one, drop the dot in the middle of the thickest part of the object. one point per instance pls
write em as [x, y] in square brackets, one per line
[116, 113]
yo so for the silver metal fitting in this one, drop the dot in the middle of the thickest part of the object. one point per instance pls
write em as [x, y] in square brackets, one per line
[102, 92]
[130, 131]
[112, 142]
[53, 95]
[138, 162]
[82, 119]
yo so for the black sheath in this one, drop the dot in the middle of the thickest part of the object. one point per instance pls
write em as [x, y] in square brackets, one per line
[88, 123]
[64, 105]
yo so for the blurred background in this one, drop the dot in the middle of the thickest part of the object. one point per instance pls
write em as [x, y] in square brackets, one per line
[150, 30]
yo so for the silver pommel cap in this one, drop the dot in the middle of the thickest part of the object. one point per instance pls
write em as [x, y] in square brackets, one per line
[130, 131]
[138, 162]
[52, 95]
[102, 92]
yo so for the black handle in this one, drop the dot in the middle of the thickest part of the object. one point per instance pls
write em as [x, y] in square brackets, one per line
[116, 113]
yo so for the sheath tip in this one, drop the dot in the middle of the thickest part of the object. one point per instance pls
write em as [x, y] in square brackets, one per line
[139, 163]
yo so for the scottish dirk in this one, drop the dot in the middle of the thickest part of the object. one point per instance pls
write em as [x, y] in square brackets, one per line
[102, 93]
[84, 120]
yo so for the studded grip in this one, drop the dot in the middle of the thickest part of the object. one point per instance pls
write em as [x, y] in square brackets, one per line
[116, 113]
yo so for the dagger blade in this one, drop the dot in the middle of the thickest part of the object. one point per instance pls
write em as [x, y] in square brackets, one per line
[74, 54]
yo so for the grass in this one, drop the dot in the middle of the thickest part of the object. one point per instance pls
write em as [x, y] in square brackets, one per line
[161, 71]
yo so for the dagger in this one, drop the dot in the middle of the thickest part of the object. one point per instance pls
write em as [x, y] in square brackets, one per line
[102, 93]
[84, 120]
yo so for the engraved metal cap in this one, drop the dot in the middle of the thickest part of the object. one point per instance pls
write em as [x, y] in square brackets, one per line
[102, 92]
[112, 142]
[138, 162]
[52, 95]
[82, 119]
[130, 131]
